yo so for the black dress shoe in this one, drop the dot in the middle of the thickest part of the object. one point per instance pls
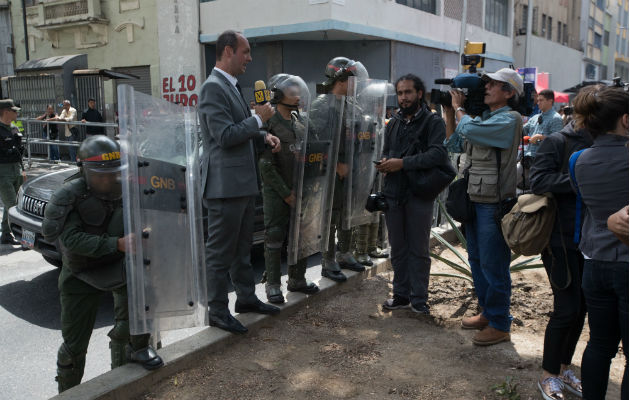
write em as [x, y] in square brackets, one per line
[146, 357]
[8, 239]
[258, 307]
[309, 288]
[336, 276]
[227, 323]
[352, 267]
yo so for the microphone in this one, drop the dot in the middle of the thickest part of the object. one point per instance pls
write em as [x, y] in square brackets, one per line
[261, 93]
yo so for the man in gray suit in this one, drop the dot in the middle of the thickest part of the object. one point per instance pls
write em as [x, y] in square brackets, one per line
[230, 181]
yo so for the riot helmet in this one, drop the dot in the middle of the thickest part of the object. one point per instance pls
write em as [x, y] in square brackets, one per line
[340, 68]
[98, 159]
[290, 91]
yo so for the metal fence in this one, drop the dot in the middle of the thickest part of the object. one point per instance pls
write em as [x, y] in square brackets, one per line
[36, 135]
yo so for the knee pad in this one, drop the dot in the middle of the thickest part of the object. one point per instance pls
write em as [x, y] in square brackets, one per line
[274, 237]
[69, 368]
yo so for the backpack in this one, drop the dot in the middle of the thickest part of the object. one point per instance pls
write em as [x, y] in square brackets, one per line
[527, 227]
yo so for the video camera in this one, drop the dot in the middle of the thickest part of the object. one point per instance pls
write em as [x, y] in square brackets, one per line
[469, 82]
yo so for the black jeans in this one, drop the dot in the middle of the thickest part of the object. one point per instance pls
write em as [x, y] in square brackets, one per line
[605, 287]
[567, 320]
[409, 230]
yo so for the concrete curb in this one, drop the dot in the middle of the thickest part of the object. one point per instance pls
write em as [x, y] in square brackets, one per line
[132, 380]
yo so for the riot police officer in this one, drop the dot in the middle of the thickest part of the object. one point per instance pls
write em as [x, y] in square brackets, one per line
[85, 215]
[277, 172]
[11, 170]
[337, 71]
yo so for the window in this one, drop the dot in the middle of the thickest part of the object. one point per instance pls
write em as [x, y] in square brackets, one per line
[429, 6]
[524, 18]
[565, 34]
[543, 30]
[606, 38]
[559, 32]
[591, 22]
[496, 16]
[600, 4]
[590, 71]
[535, 21]
[597, 40]
[549, 27]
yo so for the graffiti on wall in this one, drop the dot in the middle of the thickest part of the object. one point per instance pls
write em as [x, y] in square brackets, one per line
[180, 90]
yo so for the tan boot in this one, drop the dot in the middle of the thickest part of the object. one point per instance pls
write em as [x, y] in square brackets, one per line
[489, 336]
[476, 322]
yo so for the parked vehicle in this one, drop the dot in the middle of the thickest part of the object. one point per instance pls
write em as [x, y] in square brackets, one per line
[26, 217]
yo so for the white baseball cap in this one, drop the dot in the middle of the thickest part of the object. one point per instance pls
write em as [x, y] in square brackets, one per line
[507, 75]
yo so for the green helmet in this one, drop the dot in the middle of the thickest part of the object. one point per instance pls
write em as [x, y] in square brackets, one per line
[289, 90]
[98, 158]
[340, 68]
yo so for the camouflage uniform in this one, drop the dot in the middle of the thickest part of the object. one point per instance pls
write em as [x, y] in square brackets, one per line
[10, 174]
[276, 170]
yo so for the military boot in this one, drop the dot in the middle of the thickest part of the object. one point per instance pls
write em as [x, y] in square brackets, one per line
[372, 250]
[330, 268]
[297, 282]
[139, 351]
[344, 255]
[360, 245]
[119, 338]
[273, 275]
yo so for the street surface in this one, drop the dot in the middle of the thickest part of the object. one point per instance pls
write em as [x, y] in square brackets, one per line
[30, 317]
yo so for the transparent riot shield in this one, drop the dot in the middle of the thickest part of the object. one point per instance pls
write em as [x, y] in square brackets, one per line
[166, 280]
[314, 178]
[365, 122]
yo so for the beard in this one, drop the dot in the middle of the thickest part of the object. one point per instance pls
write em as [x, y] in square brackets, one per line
[411, 110]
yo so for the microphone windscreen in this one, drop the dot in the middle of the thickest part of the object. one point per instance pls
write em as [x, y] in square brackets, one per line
[260, 85]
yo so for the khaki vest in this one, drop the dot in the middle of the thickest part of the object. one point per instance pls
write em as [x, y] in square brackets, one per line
[483, 178]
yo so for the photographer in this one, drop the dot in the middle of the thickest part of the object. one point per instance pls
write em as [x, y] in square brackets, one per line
[409, 217]
[496, 133]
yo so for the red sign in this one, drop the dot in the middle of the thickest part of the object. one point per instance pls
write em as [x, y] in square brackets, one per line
[180, 90]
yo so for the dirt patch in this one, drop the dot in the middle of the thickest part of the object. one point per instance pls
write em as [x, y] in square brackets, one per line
[346, 347]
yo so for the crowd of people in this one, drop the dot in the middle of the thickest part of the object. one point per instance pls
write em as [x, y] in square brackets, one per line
[586, 259]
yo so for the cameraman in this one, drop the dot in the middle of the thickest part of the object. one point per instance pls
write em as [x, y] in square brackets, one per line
[409, 217]
[497, 131]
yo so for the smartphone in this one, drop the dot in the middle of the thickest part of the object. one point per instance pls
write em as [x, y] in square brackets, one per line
[376, 162]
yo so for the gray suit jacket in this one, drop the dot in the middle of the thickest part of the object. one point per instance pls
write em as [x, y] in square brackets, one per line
[227, 128]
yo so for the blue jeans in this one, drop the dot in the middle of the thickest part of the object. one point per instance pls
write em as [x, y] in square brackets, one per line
[54, 152]
[605, 286]
[489, 259]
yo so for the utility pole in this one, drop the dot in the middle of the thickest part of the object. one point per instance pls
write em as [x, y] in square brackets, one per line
[528, 37]
[462, 35]
[25, 29]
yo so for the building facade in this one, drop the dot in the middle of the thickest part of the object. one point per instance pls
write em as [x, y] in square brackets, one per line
[406, 36]
[620, 26]
[552, 42]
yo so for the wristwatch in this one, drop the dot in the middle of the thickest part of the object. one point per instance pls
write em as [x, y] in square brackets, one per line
[462, 109]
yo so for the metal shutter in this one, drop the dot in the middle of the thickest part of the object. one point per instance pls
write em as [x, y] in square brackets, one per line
[142, 85]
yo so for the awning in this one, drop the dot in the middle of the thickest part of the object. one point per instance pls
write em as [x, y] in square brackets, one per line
[108, 73]
[560, 97]
[50, 62]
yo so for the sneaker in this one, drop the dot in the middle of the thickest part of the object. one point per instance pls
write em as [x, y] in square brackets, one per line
[420, 309]
[395, 303]
[551, 388]
[571, 382]
[489, 336]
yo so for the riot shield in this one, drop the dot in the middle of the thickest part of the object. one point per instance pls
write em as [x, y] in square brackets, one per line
[314, 178]
[365, 122]
[166, 280]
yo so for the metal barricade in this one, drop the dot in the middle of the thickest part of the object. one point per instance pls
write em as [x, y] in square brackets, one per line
[33, 136]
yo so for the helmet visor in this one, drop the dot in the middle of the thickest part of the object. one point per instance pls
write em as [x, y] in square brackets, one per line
[104, 181]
